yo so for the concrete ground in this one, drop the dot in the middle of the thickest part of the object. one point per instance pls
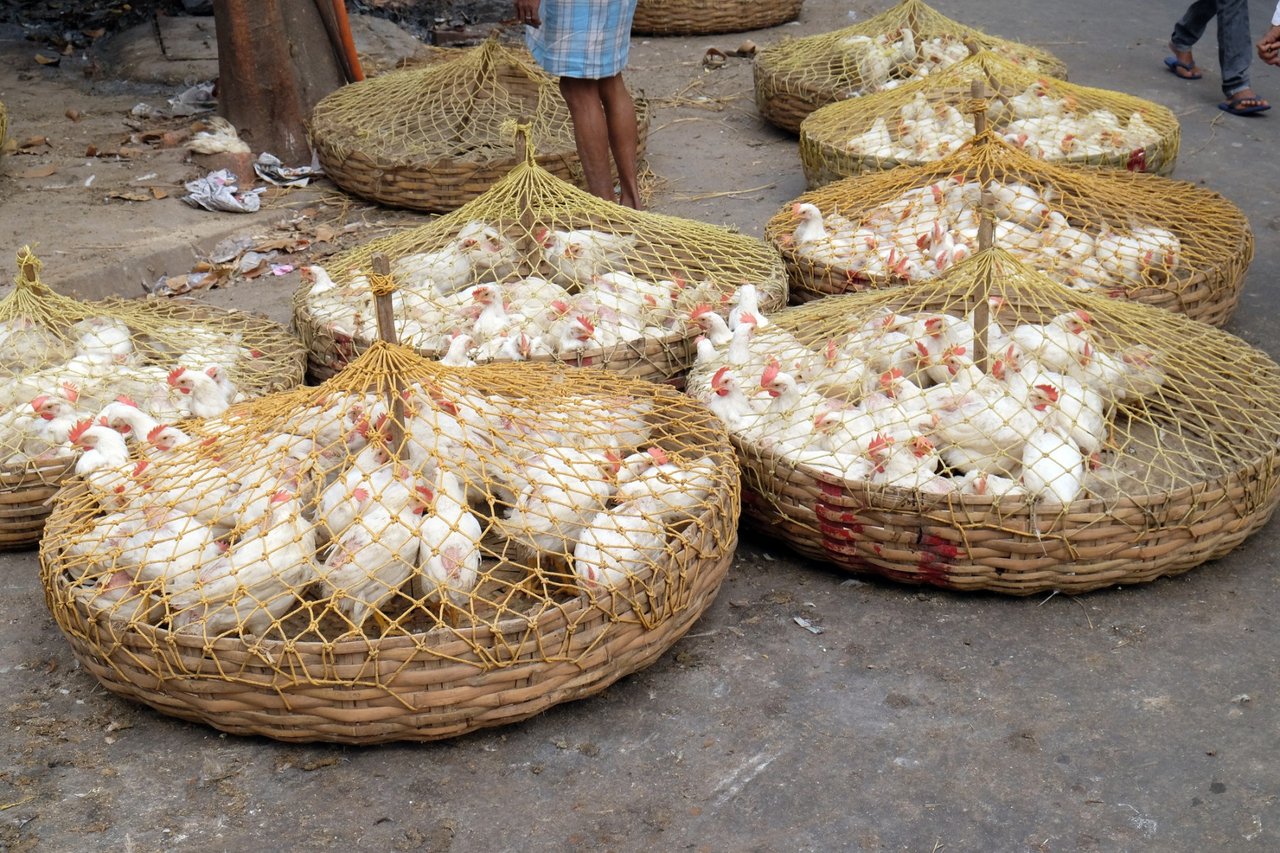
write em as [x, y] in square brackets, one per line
[920, 720]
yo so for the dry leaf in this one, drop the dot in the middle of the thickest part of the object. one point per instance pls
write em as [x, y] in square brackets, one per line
[68, 49]
[158, 193]
[282, 244]
[128, 195]
[38, 171]
[325, 233]
[130, 152]
[73, 114]
[95, 34]
[47, 60]
[34, 142]
[91, 151]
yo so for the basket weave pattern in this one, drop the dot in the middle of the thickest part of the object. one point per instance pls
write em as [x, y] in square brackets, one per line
[828, 135]
[700, 262]
[316, 636]
[432, 138]
[1216, 242]
[709, 17]
[1183, 472]
[797, 76]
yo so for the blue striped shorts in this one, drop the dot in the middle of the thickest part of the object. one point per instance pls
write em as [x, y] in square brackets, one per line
[588, 39]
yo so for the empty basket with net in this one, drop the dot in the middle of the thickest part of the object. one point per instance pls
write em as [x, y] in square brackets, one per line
[408, 551]
[1049, 119]
[538, 270]
[1125, 235]
[707, 17]
[65, 363]
[433, 138]
[907, 42]
[992, 430]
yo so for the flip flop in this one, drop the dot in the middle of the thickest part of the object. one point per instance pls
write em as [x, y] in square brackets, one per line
[1233, 106]
[1172, 63]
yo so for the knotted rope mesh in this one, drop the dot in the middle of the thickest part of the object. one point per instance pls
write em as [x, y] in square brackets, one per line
[463, 521]
[4, 123]
[65, 363]
[1049, 119]
[1130, 236]
[435, 137]
[1036, 439]
[907, 42]
[538, 270]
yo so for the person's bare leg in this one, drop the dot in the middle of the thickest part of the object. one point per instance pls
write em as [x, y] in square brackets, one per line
[624, 138]
[590, 133]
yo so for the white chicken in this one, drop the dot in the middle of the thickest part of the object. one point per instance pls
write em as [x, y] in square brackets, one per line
[449, 546]
[373, 558]
[619, 544]
[255, 583]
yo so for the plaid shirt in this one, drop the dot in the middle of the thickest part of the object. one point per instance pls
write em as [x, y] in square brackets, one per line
[588, 39]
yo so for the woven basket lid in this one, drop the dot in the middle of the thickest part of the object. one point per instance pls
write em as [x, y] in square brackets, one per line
[872, 56]
[434, 137]
[380, 556]
[931, 117]
[1126, 235]
[556, 255]
[1079, 442]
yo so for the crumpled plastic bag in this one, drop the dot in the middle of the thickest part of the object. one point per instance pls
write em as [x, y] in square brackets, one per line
[218, 191]
[271, 170]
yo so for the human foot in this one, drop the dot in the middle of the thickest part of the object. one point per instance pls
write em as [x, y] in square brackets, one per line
[1183, 64]
[1244, 103]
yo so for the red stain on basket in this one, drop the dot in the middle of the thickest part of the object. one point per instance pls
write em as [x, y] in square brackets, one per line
[831, 489]
[1137, 160]
[943, 548]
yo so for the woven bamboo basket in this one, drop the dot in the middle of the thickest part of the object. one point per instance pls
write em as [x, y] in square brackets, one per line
[4, 124]
[1187, 464]
[1067, 123]
[27, 485]
[523, 638]
[699, 263]
[797, 76]
[432, 138]
[1214, 242]
[709, 17]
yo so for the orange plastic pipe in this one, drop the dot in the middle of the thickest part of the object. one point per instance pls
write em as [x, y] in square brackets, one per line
[348, 43]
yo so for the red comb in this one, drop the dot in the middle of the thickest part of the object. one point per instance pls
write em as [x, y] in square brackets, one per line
[155, 433]
[140, 467]
[702, 309]
[39, 401]
[123, 398]
[659, 455]
[770, 373]
[879, 444]
[586, 323]
[718, 376]
[748, 317]
[1050, 392]
[78, 431]
[212, 372]
[280, 497]
[361, 495]
[174, 374]
[71, 391]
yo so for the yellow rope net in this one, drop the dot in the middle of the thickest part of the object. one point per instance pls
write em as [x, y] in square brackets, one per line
[435, 137]
[991, 429]
[910, 41]
[1130, 236]
[65, 363]
[404, 527]
[4, 124]
[538, 270]
[1047, 118]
